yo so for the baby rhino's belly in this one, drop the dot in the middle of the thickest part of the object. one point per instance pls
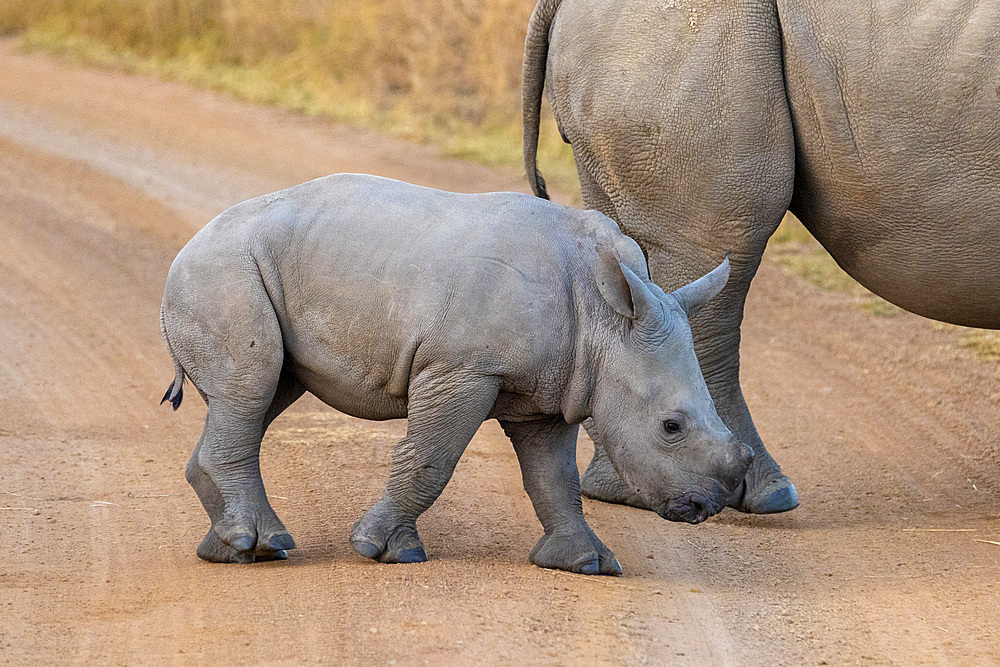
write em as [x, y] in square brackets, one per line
[353, 383]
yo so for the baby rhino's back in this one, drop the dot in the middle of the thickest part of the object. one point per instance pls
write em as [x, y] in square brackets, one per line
[380, 280]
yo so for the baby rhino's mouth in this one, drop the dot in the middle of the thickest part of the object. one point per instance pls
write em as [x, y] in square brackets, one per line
[690, 507]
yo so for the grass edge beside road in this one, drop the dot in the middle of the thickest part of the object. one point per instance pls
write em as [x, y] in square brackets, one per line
[274, 83]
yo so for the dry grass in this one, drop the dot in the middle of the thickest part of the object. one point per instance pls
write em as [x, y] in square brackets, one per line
[985, 343]
[790, 231]
[443, 71]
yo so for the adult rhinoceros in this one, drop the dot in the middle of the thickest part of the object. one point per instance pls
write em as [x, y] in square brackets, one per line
[696, 124]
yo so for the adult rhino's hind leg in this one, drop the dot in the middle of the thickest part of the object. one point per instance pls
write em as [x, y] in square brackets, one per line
[697, 163]
[716, 329]
[766, 490]
[444, 412]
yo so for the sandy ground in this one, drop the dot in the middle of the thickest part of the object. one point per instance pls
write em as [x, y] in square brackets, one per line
[886, 426]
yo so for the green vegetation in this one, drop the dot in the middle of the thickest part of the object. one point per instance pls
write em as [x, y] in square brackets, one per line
[445, 72]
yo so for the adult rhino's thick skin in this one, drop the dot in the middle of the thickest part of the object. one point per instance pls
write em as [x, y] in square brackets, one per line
[695, 126]
[388, 300]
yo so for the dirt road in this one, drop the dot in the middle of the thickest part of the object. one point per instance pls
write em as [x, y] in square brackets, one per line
[885, 425]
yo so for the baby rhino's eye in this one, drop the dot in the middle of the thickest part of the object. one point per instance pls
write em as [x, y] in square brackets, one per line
[671, 426]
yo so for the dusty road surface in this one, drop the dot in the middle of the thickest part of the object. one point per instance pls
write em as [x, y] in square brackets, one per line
[886, 426]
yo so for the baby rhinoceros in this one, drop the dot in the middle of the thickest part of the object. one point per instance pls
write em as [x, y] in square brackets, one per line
[388, 300]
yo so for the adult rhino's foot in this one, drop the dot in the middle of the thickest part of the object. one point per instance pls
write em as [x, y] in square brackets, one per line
[214, 550]
[601, 482]
[579, 552]
[775, 495]
[384, 534]
[765, 490]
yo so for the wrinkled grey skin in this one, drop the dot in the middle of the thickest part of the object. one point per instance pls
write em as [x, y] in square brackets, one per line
[695, 125]
[389, 300]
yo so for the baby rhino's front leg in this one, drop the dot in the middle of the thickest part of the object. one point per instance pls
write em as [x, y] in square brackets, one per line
[546, 450]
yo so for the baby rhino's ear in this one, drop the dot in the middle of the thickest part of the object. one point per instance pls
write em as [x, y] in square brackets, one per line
[621, 288]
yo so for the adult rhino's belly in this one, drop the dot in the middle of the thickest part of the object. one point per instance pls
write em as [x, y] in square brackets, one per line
[897, 127]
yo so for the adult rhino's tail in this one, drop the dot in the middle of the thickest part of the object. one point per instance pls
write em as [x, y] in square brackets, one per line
[175, 392]
[536, 53]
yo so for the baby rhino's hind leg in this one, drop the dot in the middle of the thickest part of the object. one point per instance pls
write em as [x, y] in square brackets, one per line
[275, 546]
[230, 345]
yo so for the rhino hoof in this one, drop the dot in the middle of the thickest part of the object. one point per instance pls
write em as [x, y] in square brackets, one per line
[581, 553]
[281, 542]
[384, 534]
[242, 543]
[214, 550]
[366, 549]
[777, 496]
[416, 555]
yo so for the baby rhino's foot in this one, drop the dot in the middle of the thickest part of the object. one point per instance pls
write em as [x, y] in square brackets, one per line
[579, 552]
[385, 535]
[214, 550]
[246, 535]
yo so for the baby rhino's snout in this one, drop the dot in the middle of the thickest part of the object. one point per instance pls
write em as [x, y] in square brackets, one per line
[726, 472]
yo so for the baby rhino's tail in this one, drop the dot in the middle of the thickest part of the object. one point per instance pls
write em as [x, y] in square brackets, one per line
[175, 392]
